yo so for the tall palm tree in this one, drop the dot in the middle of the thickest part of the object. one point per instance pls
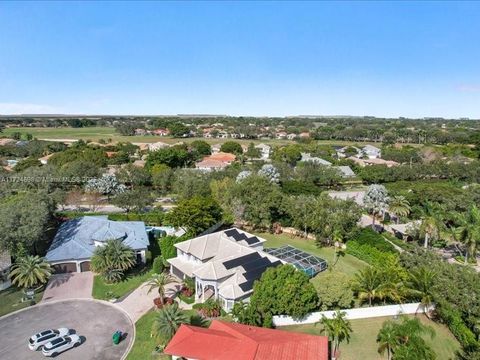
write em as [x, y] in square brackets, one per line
[159, 282]
[387, 339]
[337, 239]
[469, 231]
[431, 224]
[420, 284]
[399, 206]
[338, 329]
[113, 256]
[368, 284]
[30, 271]
[167, 321]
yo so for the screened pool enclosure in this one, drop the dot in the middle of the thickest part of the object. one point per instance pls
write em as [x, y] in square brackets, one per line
[308, 263]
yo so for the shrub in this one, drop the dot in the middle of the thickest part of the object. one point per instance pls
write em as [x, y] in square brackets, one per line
[370, 237]
[210, 308]
[148, 257]
[367, 253]
[158, 266]
[166, 301]
[452, 318]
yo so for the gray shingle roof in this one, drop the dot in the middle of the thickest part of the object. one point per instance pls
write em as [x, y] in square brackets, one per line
[76, 238]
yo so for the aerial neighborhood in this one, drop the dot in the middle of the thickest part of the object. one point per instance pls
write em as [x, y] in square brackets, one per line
[257, 245]
[240, 180]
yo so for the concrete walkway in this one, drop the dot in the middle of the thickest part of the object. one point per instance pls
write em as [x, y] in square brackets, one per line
[69, 286]
[139, 302]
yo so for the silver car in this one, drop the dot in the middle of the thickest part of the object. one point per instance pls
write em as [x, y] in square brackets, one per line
[38, 340]
[61, 344]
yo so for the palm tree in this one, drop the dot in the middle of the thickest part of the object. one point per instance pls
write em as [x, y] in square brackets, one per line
[469, 231]
[387, 339]
[431, 225]
[338, 329]
[420, 284]
[159, 281]
[399, 206]
[29, 271]
[368, 284]
[337, 238]
[167, 321]
[114, 256]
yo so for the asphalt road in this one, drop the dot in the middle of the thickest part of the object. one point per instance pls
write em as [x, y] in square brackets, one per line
[94, 321]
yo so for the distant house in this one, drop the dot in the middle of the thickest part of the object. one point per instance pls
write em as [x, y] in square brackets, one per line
[222, 134]
[216, 161]
[139, 163]
[304, 135]
[281, 135]
[157, 146]
[371, 152]
[141, 132]
[405, 231]
[341, 152]
[5, 264]
[356, 196]
[308, 158]
[6, 141]
[77, 239]
[161, 132]
[229, 340]
[345, 171]
[292, 136]
[375, 161]
[264, 151]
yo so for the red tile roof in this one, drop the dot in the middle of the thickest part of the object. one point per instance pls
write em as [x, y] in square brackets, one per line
[225, 340]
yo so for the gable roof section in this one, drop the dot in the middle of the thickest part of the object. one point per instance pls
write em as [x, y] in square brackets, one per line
[224, 340]
[75, 238]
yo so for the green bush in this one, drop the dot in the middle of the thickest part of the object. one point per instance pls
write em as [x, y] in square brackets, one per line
[453, 319]
[367, 253]
[150, 218]
[370, 237]
[148, 257]
[158, 265]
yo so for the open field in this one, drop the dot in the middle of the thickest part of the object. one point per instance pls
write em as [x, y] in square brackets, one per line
[97, 133]
[347, 264]
[363, 339]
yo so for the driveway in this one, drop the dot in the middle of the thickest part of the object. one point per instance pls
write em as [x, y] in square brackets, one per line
[69, 286]
[94, 321]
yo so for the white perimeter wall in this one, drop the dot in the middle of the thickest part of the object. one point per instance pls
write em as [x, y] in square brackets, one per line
[351, 314]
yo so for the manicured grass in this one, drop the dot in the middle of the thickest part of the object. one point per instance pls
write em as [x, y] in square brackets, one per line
[144, 346]
[133, 280]
[363, 339]
[347, 264]
[11, 300]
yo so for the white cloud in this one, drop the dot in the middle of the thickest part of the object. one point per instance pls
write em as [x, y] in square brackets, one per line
[25, 108]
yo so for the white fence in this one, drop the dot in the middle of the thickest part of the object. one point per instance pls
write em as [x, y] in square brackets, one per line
[351, 314]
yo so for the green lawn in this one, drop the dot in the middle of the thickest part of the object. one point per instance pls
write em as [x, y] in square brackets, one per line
[104, 291]
[11, 300]
[363, 339]
[347, 264]
[144, 346]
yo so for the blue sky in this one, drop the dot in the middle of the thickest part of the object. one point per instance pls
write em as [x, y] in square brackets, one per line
[241, 58]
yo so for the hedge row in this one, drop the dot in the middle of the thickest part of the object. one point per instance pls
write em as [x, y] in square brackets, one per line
[453, 319]
[367, 253]
[371, 238]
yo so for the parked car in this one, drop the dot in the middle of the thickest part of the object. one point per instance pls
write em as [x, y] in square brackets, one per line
[38, 340]
[61, 344]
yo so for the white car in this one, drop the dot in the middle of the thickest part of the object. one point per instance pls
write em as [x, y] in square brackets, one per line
[61, 344]
[38, 340]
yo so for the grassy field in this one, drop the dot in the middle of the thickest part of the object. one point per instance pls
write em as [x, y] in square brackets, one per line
[104, 291]
[363, 339]
[97, 133]
[11, 300]
[347, 264]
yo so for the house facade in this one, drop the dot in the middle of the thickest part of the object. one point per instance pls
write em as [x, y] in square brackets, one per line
[224, 265]
[77, 239]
